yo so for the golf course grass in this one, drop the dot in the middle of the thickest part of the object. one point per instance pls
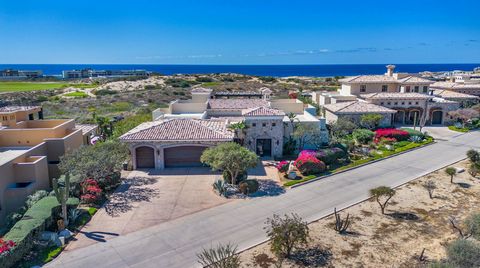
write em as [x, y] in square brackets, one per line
[29, 86]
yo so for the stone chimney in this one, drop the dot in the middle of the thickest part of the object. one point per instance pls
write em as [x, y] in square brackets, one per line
[390, 69]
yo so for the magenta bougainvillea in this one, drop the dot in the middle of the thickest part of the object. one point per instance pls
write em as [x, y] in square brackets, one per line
[308, 164]
[6, 246]
[399, 135]
[282, 166]
[304, 153]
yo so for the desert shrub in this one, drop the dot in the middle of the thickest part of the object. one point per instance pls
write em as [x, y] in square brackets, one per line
[248, 186]
[363, 136]
[223, 256]
[464, 253]
[331, 155]
[473, 225]
[104, 92]
[309, 165]
[286, 234]
[382, 195]
[473, 155]
[282, 166]
[474, 169]
[204, 79]
[398, 134]
[39, 217]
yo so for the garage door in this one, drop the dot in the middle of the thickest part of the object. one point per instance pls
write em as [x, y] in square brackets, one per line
[183, 156]
[145, 157]
[437, 117]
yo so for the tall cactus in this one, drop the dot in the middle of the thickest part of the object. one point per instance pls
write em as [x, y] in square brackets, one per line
[62, 192]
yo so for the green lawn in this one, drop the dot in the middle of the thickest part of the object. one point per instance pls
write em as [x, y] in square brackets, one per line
[77, 94]
[32, 86]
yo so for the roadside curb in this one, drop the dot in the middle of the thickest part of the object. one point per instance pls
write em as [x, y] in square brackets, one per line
[359, 166]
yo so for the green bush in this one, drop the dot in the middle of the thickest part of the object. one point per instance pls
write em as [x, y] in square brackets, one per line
[331, 155]
[473, 225]
[464, 253]
[413, 132]
[363, 136]
[38, 218]
[248, 186]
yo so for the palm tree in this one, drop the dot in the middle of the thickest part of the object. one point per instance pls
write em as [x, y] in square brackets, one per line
[240, 131]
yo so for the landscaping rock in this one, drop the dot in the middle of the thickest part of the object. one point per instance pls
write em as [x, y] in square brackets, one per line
[459, 170]
[292, 175]
[65, 233]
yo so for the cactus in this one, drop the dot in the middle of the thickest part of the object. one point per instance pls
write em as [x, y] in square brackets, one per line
[62, 193]
[341, 226]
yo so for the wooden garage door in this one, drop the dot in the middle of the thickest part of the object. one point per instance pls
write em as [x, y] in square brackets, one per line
[145, 157]
[183, 156]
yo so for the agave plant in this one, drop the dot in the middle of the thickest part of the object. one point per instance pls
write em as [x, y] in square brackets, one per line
[73, 215]
[221, 187]
[415, 139]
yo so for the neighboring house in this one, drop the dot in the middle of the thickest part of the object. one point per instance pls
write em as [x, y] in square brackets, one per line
[182, 131]
[460, 87]
[30, 151]
[465, 100]
[353, 110]
[400, 98]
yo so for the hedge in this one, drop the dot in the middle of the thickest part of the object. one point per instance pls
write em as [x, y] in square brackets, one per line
[36, 220]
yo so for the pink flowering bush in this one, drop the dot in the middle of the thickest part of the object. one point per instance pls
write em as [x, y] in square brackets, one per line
[282, 166]
[304, 153]
[91, 191]
[6, 246]
[309, 164]
[398, 134]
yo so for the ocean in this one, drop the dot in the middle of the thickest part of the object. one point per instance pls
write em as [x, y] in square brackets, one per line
[262, 70]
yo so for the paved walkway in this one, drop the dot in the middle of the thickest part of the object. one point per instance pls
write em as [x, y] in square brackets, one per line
[175, 243]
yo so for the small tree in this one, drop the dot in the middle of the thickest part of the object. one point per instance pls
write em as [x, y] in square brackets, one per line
[451, 172]
[62, 191]
[371, 121]
[342, 127]
[363, 136]
[473, 225]
[430, 186]
[307, 133]
[382, 195]
[286, 234]
[223, 256]
[473, 155]
[464, 253]
[230, 157]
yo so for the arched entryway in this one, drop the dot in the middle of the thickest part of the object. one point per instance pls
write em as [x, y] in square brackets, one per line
[413, 117]
[437, 117]
[399, 117]
[145, 157]
[183, 156]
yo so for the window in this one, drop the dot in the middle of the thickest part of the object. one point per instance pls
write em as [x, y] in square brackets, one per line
[395, 103]
[403, 103]
[384, 88]
[264, 124]
[408, 89]
[409, 103]
[388, 103]
[416, 102]
[417, 88]
[425, 89]
[381, 103]
[254, 124]
[363, 88]
[274, 124]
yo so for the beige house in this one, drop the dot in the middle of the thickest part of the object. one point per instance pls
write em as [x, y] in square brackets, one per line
[182, 131]
[459, 87]
[30, 150]
[409, 99]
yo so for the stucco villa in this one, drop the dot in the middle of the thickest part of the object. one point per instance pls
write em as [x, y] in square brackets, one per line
[30, 150]
[399, 98]
[180, 133]
[470, 88]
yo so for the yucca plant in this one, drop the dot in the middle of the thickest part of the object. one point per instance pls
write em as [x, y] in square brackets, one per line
[223, 256]
[220, 187]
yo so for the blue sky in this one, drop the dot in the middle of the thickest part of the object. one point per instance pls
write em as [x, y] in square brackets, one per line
[239, 32]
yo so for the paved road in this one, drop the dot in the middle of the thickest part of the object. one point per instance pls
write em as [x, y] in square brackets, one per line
[175, 243]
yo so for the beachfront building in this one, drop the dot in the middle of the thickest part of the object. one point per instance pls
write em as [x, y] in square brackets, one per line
[11, 74]
[180, 133]
[399, 98]
[30, 151]
[91, 73]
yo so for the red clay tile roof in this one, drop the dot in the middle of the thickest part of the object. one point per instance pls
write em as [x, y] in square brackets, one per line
[396, 95]
[356, 107]
[180, 130]
[236, 104]
[263, 111]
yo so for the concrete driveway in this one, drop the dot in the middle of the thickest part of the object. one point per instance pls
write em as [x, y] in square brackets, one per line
[147, 198]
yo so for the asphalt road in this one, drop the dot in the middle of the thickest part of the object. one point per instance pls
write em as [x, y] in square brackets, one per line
[175, 243]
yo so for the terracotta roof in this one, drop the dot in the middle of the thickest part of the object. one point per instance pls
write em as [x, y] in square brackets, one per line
[395, 95]
[354, 107]
[453, 85]
[180, 130]
[235, 103]
[201, 90]
[9, 109]
[86, 128]
[262, 111]
[385, 79]
[452, 94]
